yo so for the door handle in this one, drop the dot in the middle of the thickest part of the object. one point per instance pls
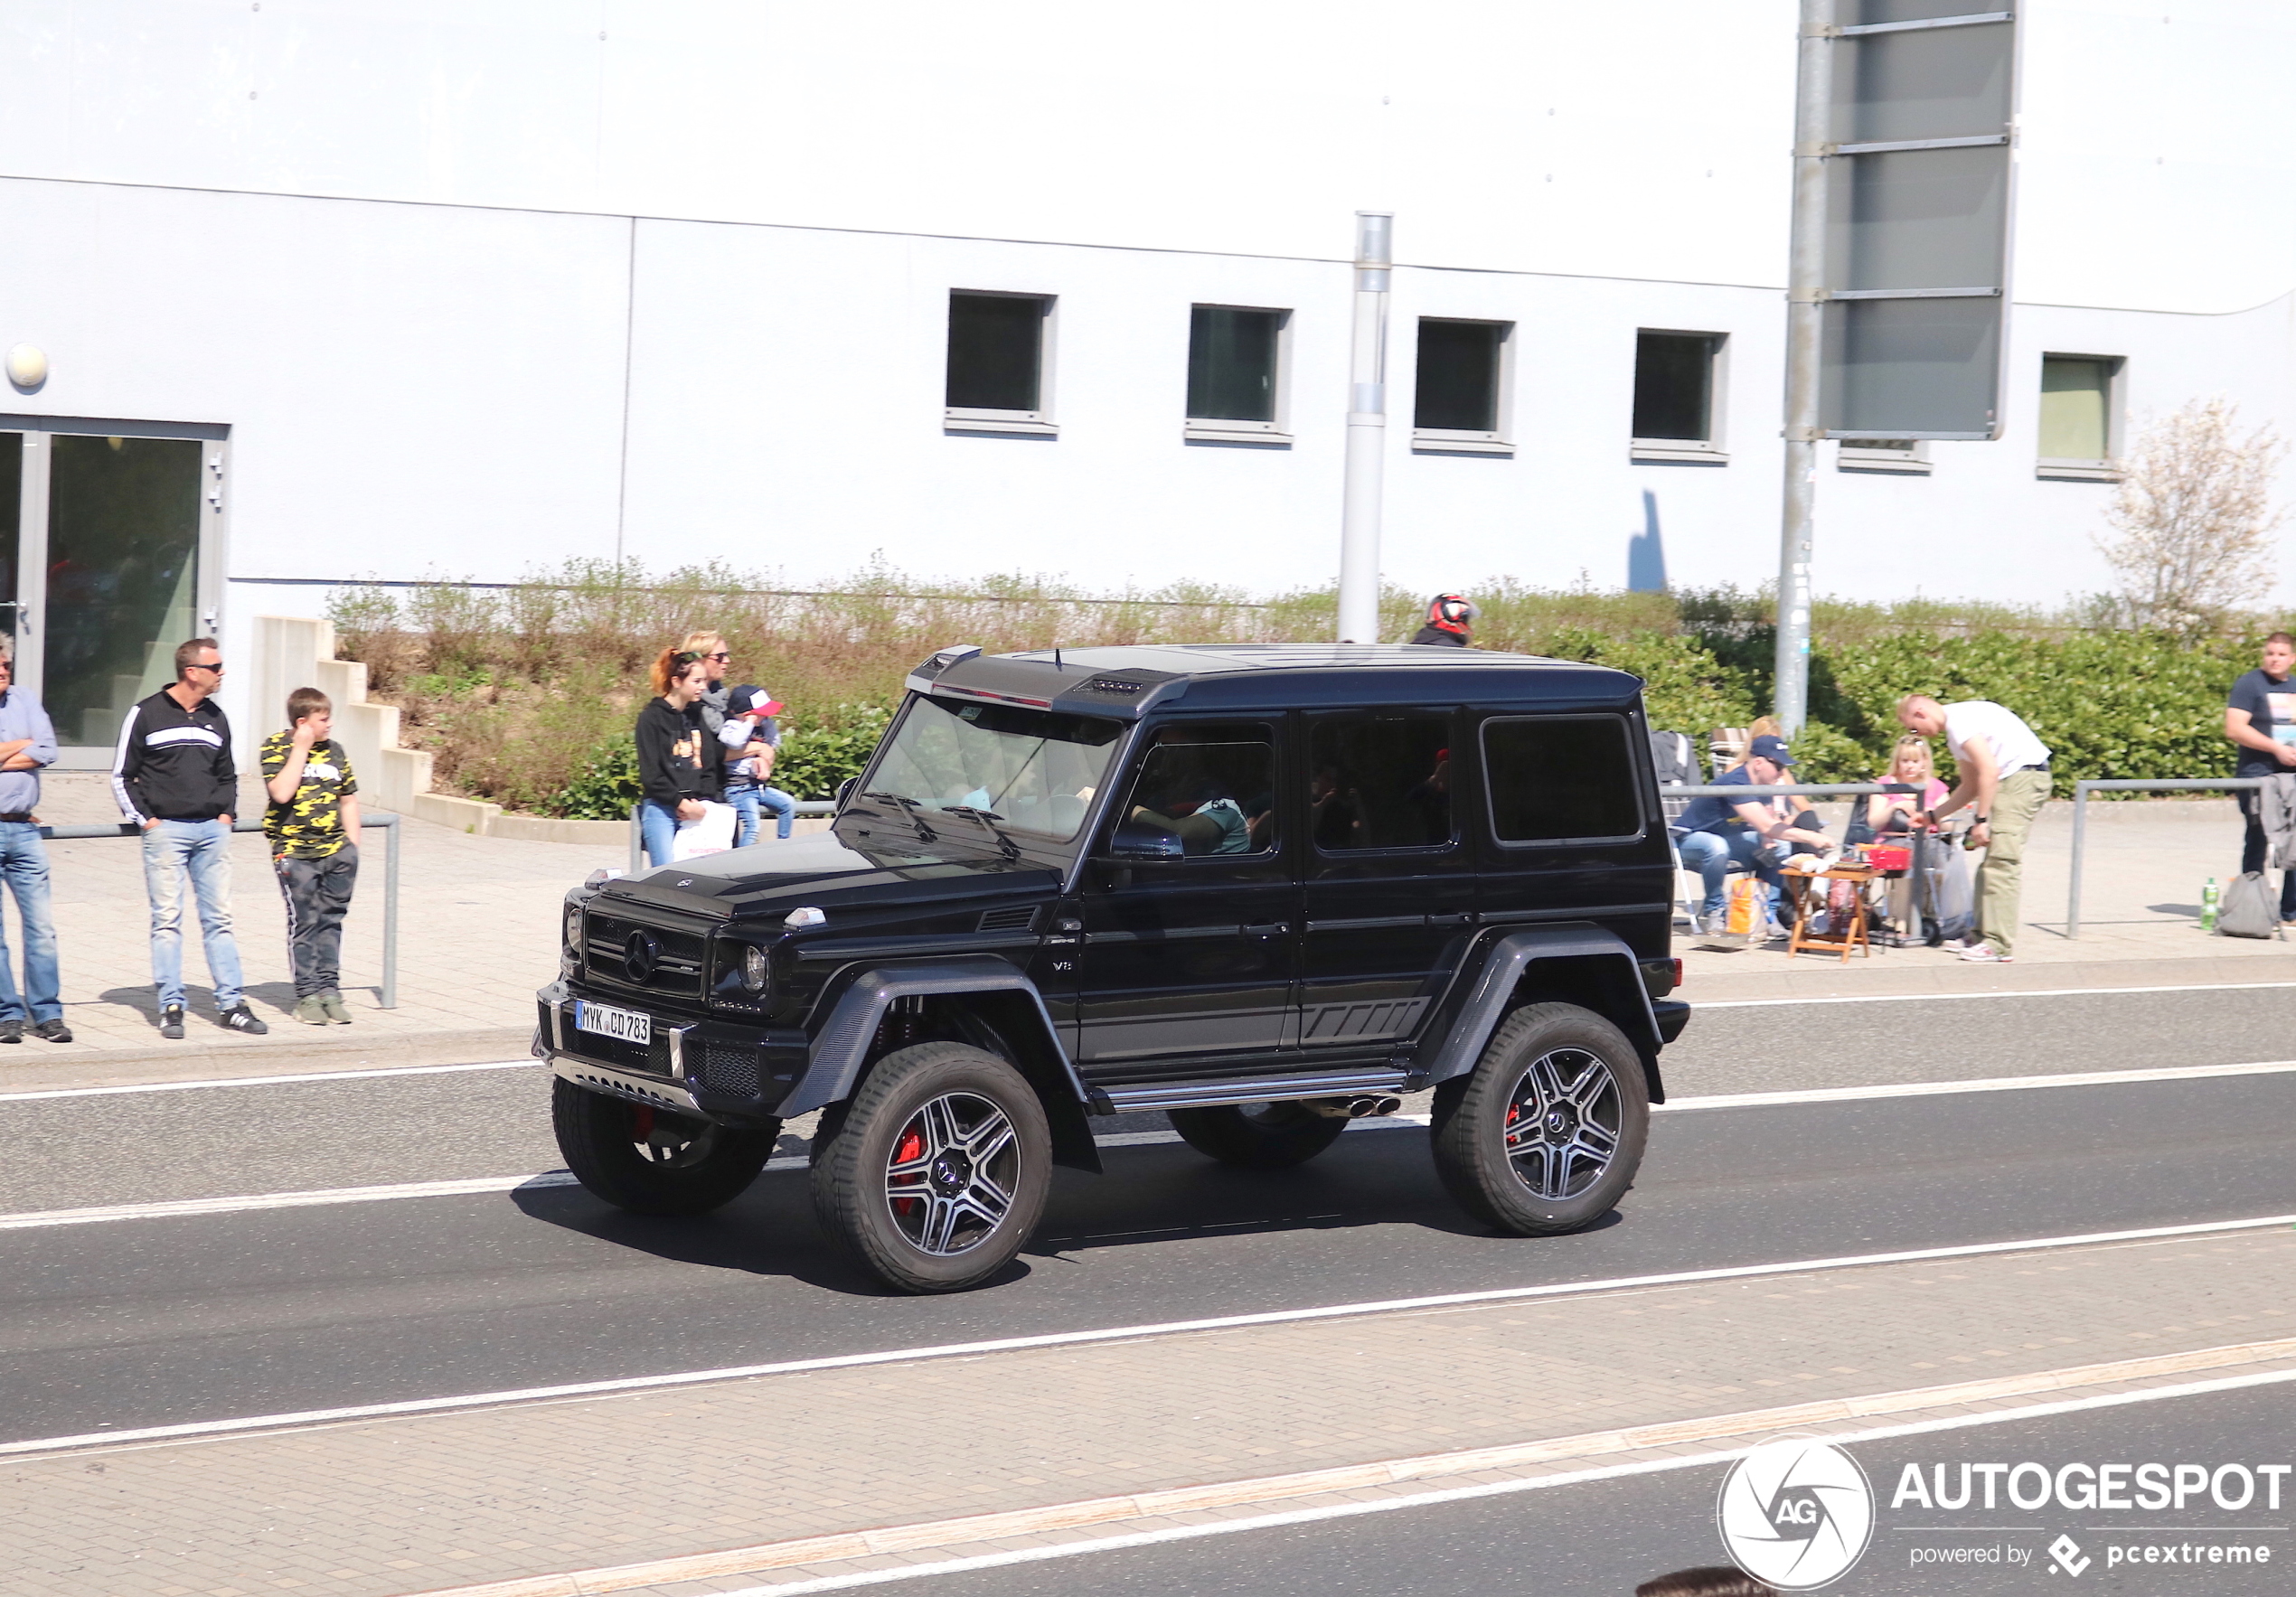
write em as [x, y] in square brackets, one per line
[1464, 918]
[1274, 928]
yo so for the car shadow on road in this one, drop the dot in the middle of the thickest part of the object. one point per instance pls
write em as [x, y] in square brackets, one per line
[1146, 1195]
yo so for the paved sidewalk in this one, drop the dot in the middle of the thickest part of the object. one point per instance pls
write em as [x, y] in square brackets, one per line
[382, 1508]
[477, 934]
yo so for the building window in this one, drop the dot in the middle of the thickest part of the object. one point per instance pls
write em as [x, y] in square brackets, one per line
[997, 361]
[1902, 457]
[1460, 398]
[1236, 374]
[1675, 377]
[2080, 422]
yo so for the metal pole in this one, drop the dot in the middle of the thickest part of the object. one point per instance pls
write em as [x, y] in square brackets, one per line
[1805, 334]
[390, 824]
[2079, 846]
[1367, 431]
[638, 842]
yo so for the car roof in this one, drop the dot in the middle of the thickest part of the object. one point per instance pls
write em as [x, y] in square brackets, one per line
[1128, 681]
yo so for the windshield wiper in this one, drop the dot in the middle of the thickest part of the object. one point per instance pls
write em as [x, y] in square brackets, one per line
[925, 834]
[988, 818]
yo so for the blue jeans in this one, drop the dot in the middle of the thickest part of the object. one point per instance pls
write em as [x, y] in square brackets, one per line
[201, 851]
[659, 827]
[23, 867]
[1711, 855]
[748, 799]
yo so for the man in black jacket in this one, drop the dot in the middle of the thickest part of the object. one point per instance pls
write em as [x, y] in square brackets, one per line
[174, 776]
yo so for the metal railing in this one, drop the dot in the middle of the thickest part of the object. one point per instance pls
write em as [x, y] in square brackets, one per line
[637, 833]
[387, 821]
[1788, 790]
[2081, 791]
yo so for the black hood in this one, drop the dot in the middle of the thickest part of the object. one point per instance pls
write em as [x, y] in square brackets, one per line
[823, 869]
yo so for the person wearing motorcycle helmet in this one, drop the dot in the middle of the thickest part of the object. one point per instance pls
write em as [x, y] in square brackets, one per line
[1451, 620]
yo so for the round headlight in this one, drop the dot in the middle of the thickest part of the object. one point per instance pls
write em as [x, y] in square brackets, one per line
[573, 930]
[756, 969]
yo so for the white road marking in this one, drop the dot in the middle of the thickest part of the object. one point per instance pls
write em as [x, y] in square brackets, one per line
[476, 1186]
[1133, 1332]
[270, 1081]
[1917, 998]
[1458, 1494]
[1998, 1083]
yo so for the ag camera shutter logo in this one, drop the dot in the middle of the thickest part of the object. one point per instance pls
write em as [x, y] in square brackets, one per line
[1797, 1513]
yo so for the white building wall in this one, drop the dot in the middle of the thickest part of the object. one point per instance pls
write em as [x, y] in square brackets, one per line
[477, 289]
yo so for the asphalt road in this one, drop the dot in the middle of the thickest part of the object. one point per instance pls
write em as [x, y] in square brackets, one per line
[154, 1321]
[142, 1147]
[1601, 1538]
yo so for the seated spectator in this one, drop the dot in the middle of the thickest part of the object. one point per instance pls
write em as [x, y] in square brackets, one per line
[1203, 817]
[1891, 815]
[1719, 833]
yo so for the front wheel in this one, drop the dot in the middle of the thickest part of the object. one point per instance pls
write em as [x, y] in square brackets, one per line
[1257, 1137]
[650, 1161]
[938, 1170]
[1544, 1135]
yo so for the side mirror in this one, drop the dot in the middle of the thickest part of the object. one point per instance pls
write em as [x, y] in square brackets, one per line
[1141, 840]
[845, 790]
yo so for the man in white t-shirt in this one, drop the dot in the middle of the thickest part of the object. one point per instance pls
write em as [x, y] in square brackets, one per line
[2004, 775]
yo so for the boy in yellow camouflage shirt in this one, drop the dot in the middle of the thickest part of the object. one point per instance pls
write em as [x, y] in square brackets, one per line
[313, 823]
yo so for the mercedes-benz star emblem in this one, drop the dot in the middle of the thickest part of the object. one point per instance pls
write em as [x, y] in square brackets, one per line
[639, 952]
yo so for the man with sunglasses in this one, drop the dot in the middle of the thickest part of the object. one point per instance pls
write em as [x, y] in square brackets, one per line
[174, 776]
[27, 743]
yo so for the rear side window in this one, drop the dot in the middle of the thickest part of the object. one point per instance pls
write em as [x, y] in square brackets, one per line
[1564, 778]
[1381, 781]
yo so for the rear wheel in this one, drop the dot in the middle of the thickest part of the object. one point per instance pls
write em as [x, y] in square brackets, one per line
[1258, 1136]
[650, 1161]
[937, 1171]
[1544, 1135]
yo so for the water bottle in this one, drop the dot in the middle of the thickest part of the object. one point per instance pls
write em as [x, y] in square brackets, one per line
[2209, 905]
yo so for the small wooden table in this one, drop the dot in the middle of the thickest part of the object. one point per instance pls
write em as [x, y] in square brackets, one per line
[1843, 939]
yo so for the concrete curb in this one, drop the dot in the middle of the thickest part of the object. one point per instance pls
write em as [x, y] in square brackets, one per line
[977, 1527]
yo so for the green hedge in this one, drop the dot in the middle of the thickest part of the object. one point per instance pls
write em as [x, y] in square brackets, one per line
[2107, 703]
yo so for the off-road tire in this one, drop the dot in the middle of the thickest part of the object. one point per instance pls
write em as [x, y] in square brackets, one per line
[1259, 1136]
[915, 1109]
[1554, 1182]
[650, 1161]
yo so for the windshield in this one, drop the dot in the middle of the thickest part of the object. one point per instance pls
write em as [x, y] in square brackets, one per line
[1027, 773]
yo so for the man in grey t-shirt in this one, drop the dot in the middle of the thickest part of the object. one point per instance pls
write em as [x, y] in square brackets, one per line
[2260, 716]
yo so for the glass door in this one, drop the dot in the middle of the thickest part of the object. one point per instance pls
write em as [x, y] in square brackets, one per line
[109, 558]
[123, 576]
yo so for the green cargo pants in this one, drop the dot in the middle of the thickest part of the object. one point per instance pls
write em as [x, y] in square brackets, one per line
[2001, 878]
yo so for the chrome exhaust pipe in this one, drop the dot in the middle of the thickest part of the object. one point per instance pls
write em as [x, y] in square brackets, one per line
[1360, 1107]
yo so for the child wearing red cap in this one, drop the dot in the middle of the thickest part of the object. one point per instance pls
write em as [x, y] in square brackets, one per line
[751, 737]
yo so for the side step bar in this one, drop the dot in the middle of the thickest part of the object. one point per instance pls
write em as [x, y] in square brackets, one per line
[1198, 1094]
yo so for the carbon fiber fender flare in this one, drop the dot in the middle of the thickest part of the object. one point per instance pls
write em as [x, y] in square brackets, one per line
[1512, 956]
[839, 1053]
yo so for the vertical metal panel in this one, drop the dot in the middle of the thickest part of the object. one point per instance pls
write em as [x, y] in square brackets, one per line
[1917, 239]
[1911, 368]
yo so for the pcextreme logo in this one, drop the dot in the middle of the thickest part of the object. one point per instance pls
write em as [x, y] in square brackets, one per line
[1796, 1513]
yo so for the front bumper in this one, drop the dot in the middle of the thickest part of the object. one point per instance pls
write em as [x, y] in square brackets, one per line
[719, 1069]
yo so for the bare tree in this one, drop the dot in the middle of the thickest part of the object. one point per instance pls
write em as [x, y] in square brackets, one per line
[2194, 518]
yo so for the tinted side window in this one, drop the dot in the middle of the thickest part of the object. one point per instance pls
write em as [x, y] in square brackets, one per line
[1213, 787]
[1566, 777]
[1381, 781]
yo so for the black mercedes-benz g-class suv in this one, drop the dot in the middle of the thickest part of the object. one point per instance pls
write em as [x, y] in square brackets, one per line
[1263, 889]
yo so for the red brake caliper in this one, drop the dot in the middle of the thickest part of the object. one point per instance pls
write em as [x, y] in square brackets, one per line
[641, 1122]
[911, 1147]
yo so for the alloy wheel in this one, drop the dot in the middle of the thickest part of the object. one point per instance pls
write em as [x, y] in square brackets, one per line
[953, 1168]
[1562, 1123]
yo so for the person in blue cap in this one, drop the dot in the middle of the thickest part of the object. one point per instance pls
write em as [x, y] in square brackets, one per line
[1717, 832]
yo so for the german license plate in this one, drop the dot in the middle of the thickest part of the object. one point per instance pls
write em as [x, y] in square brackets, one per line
[606, 1021]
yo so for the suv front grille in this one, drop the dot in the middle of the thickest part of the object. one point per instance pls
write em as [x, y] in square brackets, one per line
[669, 961]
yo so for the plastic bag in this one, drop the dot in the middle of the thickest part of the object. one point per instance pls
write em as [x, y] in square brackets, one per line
[712, 835]
[1744, 916]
